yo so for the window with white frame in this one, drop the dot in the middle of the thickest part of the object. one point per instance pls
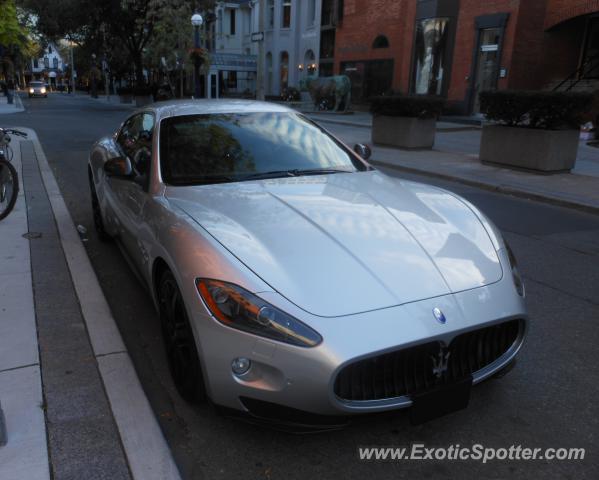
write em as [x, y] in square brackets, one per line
[271, 13]
[311, 12]
[286, 14]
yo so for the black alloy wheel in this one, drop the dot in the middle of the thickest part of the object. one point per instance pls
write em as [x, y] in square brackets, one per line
[181, 351]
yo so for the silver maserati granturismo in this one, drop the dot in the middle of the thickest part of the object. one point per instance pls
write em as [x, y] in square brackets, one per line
[295, 282]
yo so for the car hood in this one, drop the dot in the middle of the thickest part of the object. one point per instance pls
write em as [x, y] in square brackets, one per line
[347, 243]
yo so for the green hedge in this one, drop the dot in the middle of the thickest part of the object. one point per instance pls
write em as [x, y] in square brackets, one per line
[543, 110]
[124, 90]
[418, 106]
[142, 91]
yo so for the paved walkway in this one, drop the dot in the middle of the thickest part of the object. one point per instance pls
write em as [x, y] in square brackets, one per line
[455, 157]
[73, 404]
[17, 105]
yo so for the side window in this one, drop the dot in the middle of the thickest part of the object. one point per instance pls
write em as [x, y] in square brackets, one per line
[142, 155]
[128, 136]
[135, 139]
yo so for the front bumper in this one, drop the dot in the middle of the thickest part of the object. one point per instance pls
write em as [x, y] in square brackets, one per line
[303, 378]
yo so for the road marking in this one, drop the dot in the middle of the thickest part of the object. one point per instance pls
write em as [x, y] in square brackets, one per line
[147, 452]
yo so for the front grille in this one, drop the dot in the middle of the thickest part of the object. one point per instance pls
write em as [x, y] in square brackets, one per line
[411, 370]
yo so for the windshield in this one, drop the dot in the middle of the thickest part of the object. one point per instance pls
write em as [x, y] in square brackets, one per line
[35, 84]
[218, 148]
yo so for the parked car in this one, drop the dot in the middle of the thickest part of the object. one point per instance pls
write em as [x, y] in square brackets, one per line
[295, 282]
[37, 89]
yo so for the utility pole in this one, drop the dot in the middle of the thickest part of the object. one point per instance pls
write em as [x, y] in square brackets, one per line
[261, 61]
[72, 69]
[105, 66]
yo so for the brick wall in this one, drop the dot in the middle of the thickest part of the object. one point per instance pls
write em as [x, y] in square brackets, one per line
[561, 10]
[528, 47]
[541, 45]
[466, 37]
[363, 21]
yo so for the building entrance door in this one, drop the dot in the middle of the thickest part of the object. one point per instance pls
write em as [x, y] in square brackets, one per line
[487, 63]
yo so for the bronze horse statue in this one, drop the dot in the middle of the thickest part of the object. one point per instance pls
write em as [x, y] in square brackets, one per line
[338, 86]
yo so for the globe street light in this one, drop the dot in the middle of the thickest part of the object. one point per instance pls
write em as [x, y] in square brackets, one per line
[196, 21]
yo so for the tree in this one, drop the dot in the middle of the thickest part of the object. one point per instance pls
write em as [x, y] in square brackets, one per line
[16, 45]
[130, 25]
[73, 20]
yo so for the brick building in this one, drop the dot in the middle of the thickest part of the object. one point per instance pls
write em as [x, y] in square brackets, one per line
[456, 48]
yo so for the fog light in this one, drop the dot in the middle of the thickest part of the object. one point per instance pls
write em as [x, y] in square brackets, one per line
[241, 365]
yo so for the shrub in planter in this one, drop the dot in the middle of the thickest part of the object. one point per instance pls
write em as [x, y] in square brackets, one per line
[125, 94]
[143, 95]
[291, 94]
[533, 130]
[405, 121]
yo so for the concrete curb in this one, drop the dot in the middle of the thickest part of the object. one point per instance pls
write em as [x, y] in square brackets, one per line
[146, 449]
[560, 202]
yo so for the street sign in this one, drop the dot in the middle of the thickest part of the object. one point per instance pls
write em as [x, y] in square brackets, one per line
[257, 36]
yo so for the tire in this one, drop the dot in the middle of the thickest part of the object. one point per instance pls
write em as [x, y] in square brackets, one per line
[98, 222]
[182, 354]
[9, 188]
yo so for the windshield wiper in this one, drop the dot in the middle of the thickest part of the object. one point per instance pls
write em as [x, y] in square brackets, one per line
[291, 173]
[272, 174]
[206, 180]
[214, 179]
[319, 171]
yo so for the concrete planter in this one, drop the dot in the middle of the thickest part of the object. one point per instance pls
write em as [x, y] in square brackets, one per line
[126, 98]
[143, 100]
[403, 132]
[529, 148]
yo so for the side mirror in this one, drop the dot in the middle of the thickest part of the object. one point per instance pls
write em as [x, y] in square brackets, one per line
[118, 167]
[363, 150]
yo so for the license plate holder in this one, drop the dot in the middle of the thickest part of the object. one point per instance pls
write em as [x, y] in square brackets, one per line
[440, 400]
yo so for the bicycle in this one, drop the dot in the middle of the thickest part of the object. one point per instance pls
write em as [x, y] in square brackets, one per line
[9, 180]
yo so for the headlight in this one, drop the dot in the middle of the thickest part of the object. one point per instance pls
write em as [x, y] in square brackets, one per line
[31, 90]
[240, 309]
[515, 272]
[43, 90]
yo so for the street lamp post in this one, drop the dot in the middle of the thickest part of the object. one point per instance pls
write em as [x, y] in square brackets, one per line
[196, 21]
[261, 65]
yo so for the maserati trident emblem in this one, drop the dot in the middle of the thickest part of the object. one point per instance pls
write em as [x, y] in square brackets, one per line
[439, 315]
[440, 362]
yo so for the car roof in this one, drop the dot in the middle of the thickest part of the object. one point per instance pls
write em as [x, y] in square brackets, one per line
[204, 106]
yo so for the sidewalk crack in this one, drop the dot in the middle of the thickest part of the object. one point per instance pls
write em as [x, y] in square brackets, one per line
[20, 367]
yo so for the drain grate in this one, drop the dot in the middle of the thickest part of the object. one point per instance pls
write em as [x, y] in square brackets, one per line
[32, 235]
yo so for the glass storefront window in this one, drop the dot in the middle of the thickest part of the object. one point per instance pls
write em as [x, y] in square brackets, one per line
[430, 46]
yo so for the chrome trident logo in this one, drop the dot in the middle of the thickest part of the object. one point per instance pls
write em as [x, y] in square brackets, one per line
[441, 362]
[439, 315]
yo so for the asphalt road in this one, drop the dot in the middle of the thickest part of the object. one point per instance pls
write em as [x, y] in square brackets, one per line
[549, 400]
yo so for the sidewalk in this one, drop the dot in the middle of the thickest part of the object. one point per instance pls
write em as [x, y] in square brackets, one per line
[73, 404]
[16, 107]
[455, 157]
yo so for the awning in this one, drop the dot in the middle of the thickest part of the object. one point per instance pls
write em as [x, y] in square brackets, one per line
[233, 61]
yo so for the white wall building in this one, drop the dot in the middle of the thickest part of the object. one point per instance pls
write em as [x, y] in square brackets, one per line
[49, 65]
[292, 42]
